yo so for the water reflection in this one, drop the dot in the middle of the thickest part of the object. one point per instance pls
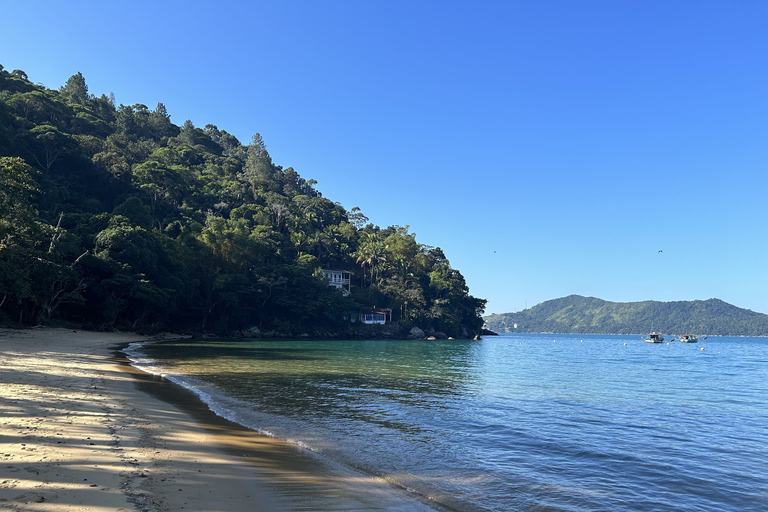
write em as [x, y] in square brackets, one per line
[372, 382]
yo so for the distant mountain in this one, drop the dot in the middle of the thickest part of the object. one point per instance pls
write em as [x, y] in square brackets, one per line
[589, 315]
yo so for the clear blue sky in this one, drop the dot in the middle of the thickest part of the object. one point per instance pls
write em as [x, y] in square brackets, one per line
[549, 147]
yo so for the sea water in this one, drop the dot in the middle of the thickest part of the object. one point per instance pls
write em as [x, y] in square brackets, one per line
[519, 422]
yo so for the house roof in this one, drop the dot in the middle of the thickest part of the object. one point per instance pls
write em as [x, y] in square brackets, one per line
[383, 311]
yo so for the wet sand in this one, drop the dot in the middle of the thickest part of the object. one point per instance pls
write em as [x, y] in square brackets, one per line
[82, 431]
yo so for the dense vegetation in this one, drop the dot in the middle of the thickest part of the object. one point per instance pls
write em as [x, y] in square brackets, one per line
[114, 217]
[589, 315]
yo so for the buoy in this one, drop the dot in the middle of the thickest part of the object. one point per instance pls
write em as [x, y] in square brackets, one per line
[702, 348]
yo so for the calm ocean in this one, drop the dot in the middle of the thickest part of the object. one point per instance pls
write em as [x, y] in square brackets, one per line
[522, 422]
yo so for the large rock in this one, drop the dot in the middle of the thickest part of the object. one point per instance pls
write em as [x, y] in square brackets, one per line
[416, 334]
[252, 332]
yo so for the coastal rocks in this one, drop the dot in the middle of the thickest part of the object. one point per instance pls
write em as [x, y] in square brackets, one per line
[431, 334]
[416, 334]
[252, 332]
[389, 331]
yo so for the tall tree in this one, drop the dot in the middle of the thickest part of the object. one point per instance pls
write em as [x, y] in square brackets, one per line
[75, 90]
[259, 170]
[49, 144]
[160, 123]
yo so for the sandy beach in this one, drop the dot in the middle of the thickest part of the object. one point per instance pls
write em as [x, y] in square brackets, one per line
[82, 431]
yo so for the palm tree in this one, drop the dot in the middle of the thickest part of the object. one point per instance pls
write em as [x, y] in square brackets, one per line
[371, 252]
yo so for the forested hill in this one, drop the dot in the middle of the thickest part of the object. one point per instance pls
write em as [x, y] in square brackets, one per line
[589, 315]
[113, 217]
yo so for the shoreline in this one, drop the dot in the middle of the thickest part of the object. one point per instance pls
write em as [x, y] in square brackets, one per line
[84, 430]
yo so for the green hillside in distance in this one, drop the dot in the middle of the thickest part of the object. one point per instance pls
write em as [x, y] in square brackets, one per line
[589, 315]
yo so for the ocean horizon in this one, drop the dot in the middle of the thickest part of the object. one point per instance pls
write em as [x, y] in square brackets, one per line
[515, 422]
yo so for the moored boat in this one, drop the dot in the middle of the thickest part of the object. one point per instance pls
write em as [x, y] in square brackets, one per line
[654, 337]
[689, 338]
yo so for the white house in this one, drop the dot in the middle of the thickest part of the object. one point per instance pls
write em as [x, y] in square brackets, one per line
[375, 315]
[338, 279]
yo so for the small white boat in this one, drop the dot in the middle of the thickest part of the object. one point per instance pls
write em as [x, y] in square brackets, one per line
[654, 337]
[689, 338]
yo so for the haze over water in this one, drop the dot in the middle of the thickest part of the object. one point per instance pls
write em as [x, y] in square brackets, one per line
[516, 422]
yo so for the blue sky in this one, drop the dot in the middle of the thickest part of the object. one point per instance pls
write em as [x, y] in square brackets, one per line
[549, 147]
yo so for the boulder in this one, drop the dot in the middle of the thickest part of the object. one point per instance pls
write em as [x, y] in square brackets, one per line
[252, 332]
[416, 334]
[440, 335]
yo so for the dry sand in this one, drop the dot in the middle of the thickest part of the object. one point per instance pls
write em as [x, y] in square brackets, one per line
[80, 431]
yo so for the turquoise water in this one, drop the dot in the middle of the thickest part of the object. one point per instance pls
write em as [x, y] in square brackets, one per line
[517, 422]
